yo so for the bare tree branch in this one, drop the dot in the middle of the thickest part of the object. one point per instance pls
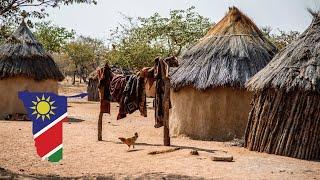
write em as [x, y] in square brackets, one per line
[8, 7]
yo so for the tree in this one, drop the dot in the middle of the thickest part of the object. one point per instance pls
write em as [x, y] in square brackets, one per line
[64, 63]
[138, 42]
[11, 10]
[53, 37]
[5, 31]
[282, 38]
[182, 28]
[86, 54]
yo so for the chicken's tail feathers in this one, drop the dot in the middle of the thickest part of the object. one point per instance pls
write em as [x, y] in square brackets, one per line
[122, 139]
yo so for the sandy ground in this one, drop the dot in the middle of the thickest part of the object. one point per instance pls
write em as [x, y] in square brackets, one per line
[84, 156]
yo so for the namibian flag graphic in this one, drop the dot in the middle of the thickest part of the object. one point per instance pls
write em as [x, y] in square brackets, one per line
[47, 112]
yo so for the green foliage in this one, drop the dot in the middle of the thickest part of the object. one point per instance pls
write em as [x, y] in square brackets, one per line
[52, 37]
[5, 31]
[138, 42]
[282, 38]
[12, 11]
[13, 8]
[85, 54]
[181, 29]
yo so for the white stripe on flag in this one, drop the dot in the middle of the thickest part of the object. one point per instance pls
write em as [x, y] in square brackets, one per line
[52, 152]
[50, 125]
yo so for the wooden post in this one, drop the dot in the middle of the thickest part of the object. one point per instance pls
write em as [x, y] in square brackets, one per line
[166, 105]
[166, 134]
[100, 127]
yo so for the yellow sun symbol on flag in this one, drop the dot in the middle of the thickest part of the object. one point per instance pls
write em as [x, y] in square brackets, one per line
[43, 107]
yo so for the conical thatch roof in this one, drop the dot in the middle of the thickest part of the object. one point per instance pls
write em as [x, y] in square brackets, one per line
[231, 52]
[23, 56]
[297, 67]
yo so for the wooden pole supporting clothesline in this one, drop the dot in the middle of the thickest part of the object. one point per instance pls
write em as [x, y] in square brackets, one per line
[100, 126]
[165, 102]
[166, 105]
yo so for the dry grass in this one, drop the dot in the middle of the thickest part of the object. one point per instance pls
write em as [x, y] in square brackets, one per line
[297, 67]
[235, 22]
[231, 53]
[23, 55]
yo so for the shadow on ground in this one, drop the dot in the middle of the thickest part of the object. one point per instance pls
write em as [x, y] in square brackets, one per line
[82, 102]
[6, 174]
[72, 120]
[174, 146]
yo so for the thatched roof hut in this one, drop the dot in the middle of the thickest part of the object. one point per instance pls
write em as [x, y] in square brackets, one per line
[92, 88]
[24, 65]
[210, 99]
[285, 118]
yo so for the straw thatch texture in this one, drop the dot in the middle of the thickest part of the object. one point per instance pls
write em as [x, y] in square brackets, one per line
[23, 56]
[297, 67]
[285, 118]
[231, 52]
[209, 101]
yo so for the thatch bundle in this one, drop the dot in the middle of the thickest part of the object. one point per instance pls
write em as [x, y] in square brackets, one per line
[23, 56]
[231, 52]
[211, 102]
[285, 118]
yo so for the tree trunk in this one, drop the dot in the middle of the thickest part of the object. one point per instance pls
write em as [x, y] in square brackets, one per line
[74, 77]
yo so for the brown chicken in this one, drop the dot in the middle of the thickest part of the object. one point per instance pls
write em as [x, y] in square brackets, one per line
[130, 141]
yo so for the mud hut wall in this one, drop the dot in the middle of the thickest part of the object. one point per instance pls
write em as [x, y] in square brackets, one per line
[92, 89]
[219, 113]
[10, 87]
[285, 124]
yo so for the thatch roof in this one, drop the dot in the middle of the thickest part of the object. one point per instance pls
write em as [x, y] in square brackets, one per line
[228, 55]
[296, 67]
[23, 56]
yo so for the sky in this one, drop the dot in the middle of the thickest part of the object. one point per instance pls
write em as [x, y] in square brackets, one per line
[97, 20]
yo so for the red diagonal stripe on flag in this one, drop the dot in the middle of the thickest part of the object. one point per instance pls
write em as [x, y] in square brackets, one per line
[49, 140]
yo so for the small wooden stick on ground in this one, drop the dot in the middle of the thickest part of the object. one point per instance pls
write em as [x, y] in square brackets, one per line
[164, 151]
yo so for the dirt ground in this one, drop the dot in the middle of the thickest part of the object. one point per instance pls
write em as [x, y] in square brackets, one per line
[85, 157]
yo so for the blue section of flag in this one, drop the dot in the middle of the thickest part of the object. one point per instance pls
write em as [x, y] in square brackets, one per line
[57, 107]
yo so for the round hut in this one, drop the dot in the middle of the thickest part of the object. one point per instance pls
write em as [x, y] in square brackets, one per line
[285, 118]
[24, 65]
[209, 100]
[92, 89]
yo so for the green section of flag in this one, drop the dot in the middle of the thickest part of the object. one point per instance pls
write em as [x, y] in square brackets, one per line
[56, 157]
